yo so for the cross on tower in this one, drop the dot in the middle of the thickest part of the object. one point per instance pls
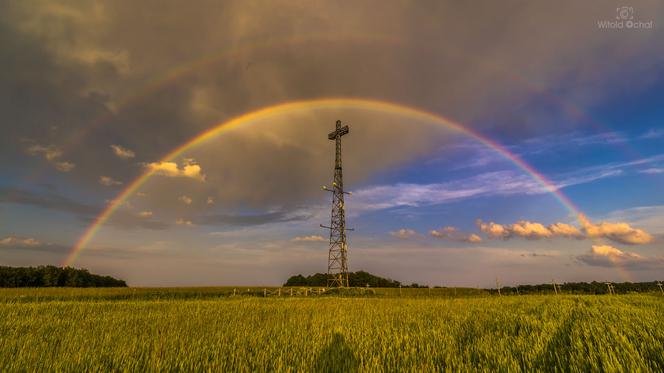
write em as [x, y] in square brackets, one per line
[337, 262]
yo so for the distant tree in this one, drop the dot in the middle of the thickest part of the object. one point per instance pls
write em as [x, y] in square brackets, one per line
[51, 276]
[355, 279]
[593, 287]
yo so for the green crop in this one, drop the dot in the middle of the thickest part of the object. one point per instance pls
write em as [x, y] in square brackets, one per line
[210, 330]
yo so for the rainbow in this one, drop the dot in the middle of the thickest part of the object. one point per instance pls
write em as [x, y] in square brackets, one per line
[322, 103]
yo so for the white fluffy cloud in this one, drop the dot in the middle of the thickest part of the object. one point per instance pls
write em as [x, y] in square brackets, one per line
[565, 230]
[51, 154]
[618, 232]
[610, 251]
[123, 152]
[189, 169]
[530, 230]
[404, 233]
[184, 222]
[186, 200]
[609, 256]
[494, 230]
[19, 241]
[453, 234]
[312, 238]
[108, 181]
[64, 166]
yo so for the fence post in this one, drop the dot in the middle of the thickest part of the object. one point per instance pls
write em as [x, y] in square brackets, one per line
[264, 292]
[291, 292]
[279, 292]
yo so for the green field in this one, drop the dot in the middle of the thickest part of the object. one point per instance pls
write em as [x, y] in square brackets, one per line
[210, 329]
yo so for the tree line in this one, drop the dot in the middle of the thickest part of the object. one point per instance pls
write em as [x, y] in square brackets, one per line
[355, 279]
[582, 288]
[363, 279]
[51, 276]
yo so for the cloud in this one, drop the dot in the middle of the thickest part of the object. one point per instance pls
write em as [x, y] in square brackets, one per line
[558, 141]
[171, 169]
[64, 166]
[653, 133]
[122, 152]
[648, 218]
[652, 171]
[494, 230]
[31, 244]
[312, 238]
[610, 251]
[618, 232]
[609, 256]
[108, 181]
[404, 233]
[185, 199]
[453, 234]
[545, 255]
[86, 213]
[185, 222]
[530, 230]
[15, 241]
[49, 201]
[145, 214]
[210, 201]
[565, 230]
[488, 184]
[251, 220]
[101, 52]
[52, 154]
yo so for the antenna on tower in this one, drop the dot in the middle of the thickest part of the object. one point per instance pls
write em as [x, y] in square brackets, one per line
[660, 287]
[337, 261]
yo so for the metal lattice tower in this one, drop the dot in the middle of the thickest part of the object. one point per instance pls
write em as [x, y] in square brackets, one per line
[337, 262]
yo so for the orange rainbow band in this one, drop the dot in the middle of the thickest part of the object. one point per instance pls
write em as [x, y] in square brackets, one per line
[323, 103]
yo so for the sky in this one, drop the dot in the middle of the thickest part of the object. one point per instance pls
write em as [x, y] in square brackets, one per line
[512, 141]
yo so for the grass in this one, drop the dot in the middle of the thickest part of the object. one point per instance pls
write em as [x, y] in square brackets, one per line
[206, 329]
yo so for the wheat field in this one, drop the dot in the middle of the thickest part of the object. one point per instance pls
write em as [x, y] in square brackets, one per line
[211, 330]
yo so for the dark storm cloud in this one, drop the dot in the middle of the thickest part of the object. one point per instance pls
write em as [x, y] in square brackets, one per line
[85, 212]
[125, 219]
[49, 201]
[85, 75]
